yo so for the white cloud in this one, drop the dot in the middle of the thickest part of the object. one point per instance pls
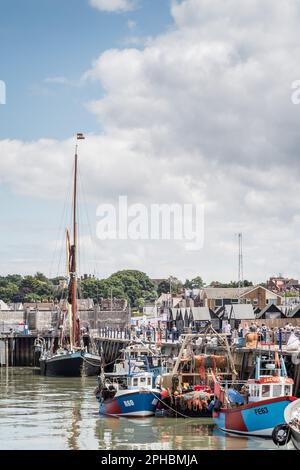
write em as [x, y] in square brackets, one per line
[114, 5]
[202, 114]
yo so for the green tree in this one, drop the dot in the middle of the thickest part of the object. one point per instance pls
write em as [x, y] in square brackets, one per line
[197, 283]
[247, 283]
[56, 280]
[7, 293]
[32, 298]
[233, 284]
[41, 277]
[164, 286]
[44, 289]
[135, 285]
[140, 303]
[15, 279]
[187, 284]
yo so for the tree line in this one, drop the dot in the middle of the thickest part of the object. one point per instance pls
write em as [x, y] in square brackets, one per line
[133, 285]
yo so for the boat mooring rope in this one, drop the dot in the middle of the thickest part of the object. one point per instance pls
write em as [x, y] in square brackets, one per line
[105, 365]
[88, 362]
[170, 407]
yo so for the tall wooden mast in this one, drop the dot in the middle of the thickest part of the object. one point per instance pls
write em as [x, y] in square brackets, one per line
[75, 333]
[74, 264]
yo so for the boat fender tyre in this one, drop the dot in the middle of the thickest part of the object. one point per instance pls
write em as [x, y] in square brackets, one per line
[281, 435]
[217, 405]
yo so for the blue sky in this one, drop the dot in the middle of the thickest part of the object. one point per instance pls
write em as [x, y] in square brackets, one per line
[45, 39]
[42, 41]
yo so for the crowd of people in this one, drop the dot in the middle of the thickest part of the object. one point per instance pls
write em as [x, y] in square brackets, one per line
[155, 333]
[267, 335]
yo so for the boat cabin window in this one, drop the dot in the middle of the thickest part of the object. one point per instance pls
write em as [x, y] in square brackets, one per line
[276, 390]
[149, 380]
[288, 390]
[255, 391]
[135, 382]
[142, 380]
[265, 391]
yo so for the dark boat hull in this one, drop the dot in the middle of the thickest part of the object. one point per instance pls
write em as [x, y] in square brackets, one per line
[71, 365]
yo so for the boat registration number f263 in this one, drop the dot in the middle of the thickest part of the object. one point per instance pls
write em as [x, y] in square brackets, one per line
[128, 403]
[261, 411]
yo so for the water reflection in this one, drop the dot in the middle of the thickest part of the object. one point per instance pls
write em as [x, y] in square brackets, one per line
[54, 413]
[151, 433]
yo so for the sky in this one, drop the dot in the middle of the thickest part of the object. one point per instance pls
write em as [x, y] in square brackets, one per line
[181, 102]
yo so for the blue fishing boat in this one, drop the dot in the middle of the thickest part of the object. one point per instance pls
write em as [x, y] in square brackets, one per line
[257, 406]
[136, 398]
[139, 357]
[128, 390]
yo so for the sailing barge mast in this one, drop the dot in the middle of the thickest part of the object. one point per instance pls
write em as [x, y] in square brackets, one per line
[71, 360]
[72, 266]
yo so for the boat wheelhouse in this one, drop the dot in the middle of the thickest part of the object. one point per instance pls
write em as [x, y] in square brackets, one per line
[138, 358]
[271, 380]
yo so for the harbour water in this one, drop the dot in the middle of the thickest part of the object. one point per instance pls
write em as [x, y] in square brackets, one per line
[62, 413]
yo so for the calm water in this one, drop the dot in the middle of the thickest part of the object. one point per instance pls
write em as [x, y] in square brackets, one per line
[54, 413]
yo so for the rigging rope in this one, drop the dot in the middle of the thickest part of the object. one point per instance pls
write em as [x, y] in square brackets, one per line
[165, 404]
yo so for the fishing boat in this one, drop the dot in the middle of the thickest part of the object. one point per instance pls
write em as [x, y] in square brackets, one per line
[142, 357]
[128, 394]
[254, 407]
[70, 359]
[186, 389]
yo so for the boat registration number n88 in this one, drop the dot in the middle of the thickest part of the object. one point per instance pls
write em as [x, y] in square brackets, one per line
[128, 403]
[261, 411]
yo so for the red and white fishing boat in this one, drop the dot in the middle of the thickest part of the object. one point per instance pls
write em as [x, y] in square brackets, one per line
[257, 406]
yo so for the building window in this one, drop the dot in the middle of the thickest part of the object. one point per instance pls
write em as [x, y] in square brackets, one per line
[219, 303]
